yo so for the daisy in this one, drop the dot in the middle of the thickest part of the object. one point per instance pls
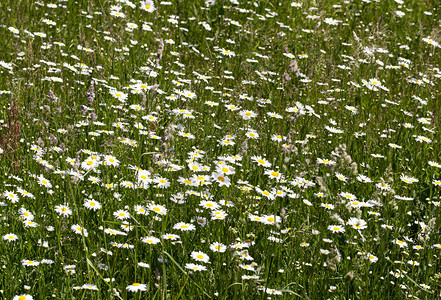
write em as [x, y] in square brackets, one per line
[90, 164]
[195, 166]
[271, 219]
[363, 179]
[209, 204]
[218, 247]
[255, 218]
[162, 182]
[10, 237]
[144, 177]
[25, 193]
[225, 169]
[79, 230]
[226, 142]
[126, 246]
[277, 138]
[221, 179]
[421, 139]
[341, 177]
[63, 210]
[143, 264]
[127, 184]
[110, 160]
[226, 52]
[248, 277]
[92, 204]
[44, 182]
[121, 214]
[383, 186]
[413, 263]
[137, 287]
[327, 206]
[247, 114]
[88, 286]
[184, 226]
[11, 196]
[274, 175]
[252, 134]
[159, 209]
[195, 267]
[26, 214]
[170, 236]
[119, 95]
[357, 223]
[140, 210]
[94, 180]
[23, 297]
[201, 220]
[189, 94]
[348, 196]
[29, 263]
[247, 267]
[356, 204]
[325, 161]
[431, 42]
[31, 224]
[408, 179]
[336, 228]
[218, 215]
[434, 164]
[200, 256]
[150, 240]
[114, 232]
[400, 243]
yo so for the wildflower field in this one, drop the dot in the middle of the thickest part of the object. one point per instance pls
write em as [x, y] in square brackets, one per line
[220, 149]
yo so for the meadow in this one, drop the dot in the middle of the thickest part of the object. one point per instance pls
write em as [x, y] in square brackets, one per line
[220, 149]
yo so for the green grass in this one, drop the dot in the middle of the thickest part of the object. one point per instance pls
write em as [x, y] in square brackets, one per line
[364, 97]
